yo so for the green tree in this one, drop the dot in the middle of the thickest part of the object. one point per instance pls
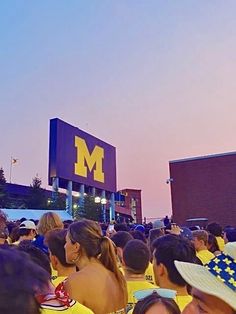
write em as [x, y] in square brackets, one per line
[37, 198]
[59, 202]
[3, 190]
[90, 210]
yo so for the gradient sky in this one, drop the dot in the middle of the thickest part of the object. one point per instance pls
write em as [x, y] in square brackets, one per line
[154, 78]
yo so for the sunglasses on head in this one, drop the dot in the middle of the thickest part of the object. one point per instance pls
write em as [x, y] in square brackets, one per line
[163, 293]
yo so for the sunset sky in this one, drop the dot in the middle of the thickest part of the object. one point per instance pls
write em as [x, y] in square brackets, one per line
[156, 79]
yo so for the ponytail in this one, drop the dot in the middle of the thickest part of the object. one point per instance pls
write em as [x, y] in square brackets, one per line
[109, 260]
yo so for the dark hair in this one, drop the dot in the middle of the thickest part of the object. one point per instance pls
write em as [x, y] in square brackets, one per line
[20, 280]
[231, 234]
[215, 229]
[88, 234]
[24, 232]
[138, 235]
[170, 248]
[212, 243]
[121, 238]
[55, 240]
[145, 304]
[136, 256]
[121, 227]
[153, 235]
[36, 255]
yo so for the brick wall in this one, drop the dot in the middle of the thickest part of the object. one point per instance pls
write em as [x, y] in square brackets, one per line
[204, 187]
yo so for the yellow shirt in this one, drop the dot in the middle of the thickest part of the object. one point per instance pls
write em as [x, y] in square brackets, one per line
[75, 308]
[183, 300]
[205, 256]
[56, 281]
[133, 286]
[221, 243]
[149, 274]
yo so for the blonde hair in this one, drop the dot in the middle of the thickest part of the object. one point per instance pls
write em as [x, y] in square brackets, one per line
[201, 235]
[89, 235]
[49, 221]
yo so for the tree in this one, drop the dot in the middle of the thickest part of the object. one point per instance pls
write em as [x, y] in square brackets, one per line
[3, 190]
[37, 198]
[90, 210]
[59, 202]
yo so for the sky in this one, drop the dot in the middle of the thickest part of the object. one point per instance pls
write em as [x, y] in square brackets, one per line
[156, 79]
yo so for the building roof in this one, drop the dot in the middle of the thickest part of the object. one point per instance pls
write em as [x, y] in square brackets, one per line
[203, 157]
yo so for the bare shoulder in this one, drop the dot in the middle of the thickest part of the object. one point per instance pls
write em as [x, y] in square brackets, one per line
[76, 285]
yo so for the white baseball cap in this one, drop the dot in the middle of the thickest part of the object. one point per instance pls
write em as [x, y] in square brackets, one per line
[28, 224]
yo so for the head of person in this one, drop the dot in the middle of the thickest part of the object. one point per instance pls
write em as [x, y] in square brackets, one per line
[27, 229]
[214, 290]
[153, 235]
[153, 304]
[84, 240]
[215, 229]
[56, 240]
[36, 255]
[200, 239]
[138, 235]
[168, 249]
[21, 280]
[121, 238]
[49, 221]
[121, 227]
[212, 244]
[136, 257]
[230, 235]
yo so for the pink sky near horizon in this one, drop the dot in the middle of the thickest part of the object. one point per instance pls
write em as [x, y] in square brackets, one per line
[153, 78]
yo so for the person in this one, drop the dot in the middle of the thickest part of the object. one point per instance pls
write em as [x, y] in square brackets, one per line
[154, 303]
[214, 285]
[136, 258]
[27, 231]
[167, 249]
[200, 239]
[120, 239]
[52, 301]
[99, 284]
[230, 235]
[216, 229]
[55, 240]
[21, 280]
[47, 222]
[212, 245]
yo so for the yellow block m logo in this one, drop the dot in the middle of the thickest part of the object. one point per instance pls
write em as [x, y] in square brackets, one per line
[91, 160]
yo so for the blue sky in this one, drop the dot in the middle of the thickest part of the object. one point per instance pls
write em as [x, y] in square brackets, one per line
[153, 78]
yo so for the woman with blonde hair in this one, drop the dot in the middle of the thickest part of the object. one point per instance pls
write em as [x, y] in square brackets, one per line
[47, 222]
[99, 284]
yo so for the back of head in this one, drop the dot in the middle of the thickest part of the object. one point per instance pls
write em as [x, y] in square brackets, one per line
[153, 235]
[121, 227]
[212, 243]
[55, 240]
[170, 248]
[136, 256]
[138, 235]
[231, 234]
[121, 238]
[49, 221]
[20, 280]
[201, 235]
[215, 229]
[36, 255]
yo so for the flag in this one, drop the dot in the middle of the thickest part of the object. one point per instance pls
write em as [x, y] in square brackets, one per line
[14, 161]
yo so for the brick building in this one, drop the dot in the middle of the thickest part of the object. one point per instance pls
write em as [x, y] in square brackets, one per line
[204, 187]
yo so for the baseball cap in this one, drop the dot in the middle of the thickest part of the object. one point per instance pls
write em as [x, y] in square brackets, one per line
[216, 278]
[28, 224]
[140, 228]
[158, 224]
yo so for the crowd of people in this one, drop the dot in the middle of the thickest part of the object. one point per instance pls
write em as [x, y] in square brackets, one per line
[49, 266]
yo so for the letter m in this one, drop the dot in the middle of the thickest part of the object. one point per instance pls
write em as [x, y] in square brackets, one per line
[92, 160]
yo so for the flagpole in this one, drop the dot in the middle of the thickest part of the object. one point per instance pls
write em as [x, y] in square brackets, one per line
[10, 169]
